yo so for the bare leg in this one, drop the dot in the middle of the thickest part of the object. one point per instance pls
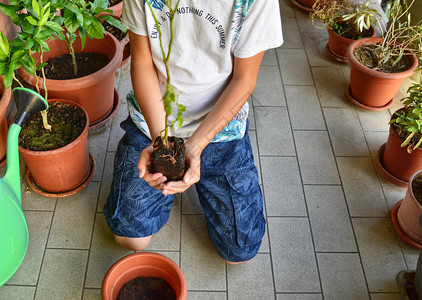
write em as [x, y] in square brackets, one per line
[136, 244]
[235, 263]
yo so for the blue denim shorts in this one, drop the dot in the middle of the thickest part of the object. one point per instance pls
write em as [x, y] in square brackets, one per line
[228, 191]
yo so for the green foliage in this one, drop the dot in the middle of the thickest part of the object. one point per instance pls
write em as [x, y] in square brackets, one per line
[408, 121]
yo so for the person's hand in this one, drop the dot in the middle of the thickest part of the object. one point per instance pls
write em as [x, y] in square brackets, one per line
[192, 174]
[144, 166]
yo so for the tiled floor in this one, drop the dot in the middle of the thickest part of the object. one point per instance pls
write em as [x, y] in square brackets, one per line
[329, 234]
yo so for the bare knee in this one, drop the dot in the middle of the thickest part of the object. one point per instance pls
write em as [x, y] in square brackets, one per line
[136, 244]
[235, 263]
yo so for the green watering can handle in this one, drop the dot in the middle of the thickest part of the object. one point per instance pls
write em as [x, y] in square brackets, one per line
[28, 103]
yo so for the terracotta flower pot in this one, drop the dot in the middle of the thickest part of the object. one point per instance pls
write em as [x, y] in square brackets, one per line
[61, 170]
[337, 45]
[305, 5]
[408, 214]
[143, 264]
[396, 163]
[94, 92]
[6, 94]
[117, 9]
[372, 89]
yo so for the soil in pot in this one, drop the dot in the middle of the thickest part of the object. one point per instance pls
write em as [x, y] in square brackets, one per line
[67, 122]
[349, 31]
[417, 188]
[59, 67]
[146, 288]
[365, 55]
[114, 2]
[118, 34]
[169, 161]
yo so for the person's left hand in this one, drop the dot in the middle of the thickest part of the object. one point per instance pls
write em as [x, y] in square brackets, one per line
[192, 174]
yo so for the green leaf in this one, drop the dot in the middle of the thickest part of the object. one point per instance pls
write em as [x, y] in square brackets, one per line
[3, 68]
[28, 63]
[17, 55]
[53, 25]
[36, 8]
[8, 10]
[43, 19]
[113, 22]
[32, 21]
[82, 35]
[71, 24]
[8, 78]
[40, 66]
[4, 44]
[95, 30]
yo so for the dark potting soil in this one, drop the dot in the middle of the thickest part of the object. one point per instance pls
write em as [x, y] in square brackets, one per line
[349, 31]
[114, 2]
[417, 188]
[366, 55]
[118, 34]
[169, 161]
[146, 288]
[67, 123]
[61, 67]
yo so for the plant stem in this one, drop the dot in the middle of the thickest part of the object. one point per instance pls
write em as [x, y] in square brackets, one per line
[72, 53]
[44, 112]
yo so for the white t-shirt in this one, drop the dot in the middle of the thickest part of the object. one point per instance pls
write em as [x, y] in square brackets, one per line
[207, 37]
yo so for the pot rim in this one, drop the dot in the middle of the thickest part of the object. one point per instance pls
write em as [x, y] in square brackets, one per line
[410, 185]
[65, 147]
[354, 63]
[347, 40]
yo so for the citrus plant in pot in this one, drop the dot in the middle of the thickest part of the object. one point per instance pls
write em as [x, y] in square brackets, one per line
[53, 169]
[84, 48]
[401, 156]
[346, 21]
[380, 65]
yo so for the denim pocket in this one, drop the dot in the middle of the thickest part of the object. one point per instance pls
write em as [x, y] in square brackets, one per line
[248, 205]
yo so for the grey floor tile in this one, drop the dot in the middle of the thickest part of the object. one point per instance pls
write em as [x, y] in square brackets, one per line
[74, 219]
[411, 260]
[92, 294]
[286, 9]
[203, 267]
[330, 222]
[330, 86]
[254, 144]
[304, 108]
[265, 245]
[393, 194]
[192, 295]
[97, 144]
[270, 58]
[316, 159]
[38, 228]
[345, 131]
[342, 276]
[251, 116]
[315, 49]
[125, 82]
[373, 120]
[345, 69]
[33, 201]
[375, 140]
[269, 88]
[273, 131]
[173, 255]
[107, 180]
[17, 292]
[293, 256]
[380, 252]
[62, 274]
[252, 280]
[363, 192]
[298, 73]
[299, 297]
[386, 296]
[117, 132]
[190, 202]
[291, 34]
[305, 24]
[168, 238]
[282, 187]
[104, 253]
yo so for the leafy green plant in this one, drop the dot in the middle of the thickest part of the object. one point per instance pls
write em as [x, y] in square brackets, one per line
[344, 16]
[408, 121]
[170, 96]
[83, 17]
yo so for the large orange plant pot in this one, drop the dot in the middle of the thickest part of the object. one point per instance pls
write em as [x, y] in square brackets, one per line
[372, 89]
[305, 5]
[117, 9]
[6, 94]
[64, 170]
[143, 264]
[94, 92]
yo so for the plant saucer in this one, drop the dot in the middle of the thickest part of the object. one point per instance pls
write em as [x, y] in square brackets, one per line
[301, 6]
[113, 111]
[398, 229]
[357, 103]
[334, 56]
[33, 185]
[390, 177]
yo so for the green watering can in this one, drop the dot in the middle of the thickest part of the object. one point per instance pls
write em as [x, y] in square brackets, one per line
[13, 228]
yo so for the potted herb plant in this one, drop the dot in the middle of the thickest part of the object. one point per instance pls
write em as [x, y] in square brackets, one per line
[84, 48]
[401, 156]
[63, 168]
[380, 65]
[346, 21]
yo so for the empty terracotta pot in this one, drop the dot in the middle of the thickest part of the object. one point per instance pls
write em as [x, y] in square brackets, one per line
[143, 264]
[6, 94]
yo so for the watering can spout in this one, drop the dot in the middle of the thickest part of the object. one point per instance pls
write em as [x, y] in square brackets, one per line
[28, 103]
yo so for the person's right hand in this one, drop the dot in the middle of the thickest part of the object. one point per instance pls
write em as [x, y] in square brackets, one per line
[144, 166]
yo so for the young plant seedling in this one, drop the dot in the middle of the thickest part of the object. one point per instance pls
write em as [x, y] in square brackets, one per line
[169, 152]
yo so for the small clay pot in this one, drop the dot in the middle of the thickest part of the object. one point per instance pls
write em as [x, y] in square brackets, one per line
[143, 264]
